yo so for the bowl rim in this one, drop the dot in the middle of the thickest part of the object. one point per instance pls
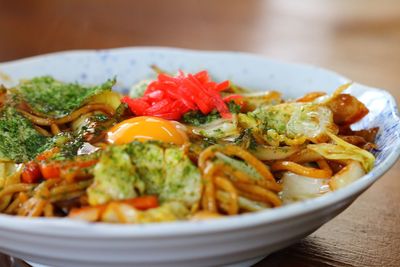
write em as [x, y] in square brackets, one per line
[52, 226]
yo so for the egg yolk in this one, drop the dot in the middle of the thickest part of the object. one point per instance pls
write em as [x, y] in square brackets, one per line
[146, 128]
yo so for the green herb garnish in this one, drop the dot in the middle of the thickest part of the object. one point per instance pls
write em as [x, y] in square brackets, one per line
[57, 99]
[19, 140]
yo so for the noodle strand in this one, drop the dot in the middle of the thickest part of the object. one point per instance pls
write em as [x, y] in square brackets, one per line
[301, 170]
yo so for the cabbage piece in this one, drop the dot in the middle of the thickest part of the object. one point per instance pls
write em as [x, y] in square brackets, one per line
[11, 174]
[297, 187]
[149, 161]
[137, 90]
[301, 121]
[248, 120]
[276, 117]
[239, 165]
[341, 150]
[167, 172]
[350, 173]
[245, 204]
[91, 126]
[168, 211]
[145, 168]
[56, 99]
[255, 122]
[109, 98]
[123, 213]
[115, 177]
[311, 121]
[7, 169]
[220, 129]
[182, 178]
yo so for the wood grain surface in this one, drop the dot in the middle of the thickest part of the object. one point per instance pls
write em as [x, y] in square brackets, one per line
[360, 39]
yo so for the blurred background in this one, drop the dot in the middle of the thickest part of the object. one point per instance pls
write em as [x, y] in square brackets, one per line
[359, 39]
[353, 37]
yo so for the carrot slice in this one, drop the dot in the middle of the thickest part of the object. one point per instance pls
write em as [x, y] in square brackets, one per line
[31, 173]
[50, 171]
[143, 202]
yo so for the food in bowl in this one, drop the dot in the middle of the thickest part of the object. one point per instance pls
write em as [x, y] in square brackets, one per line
[177, 147]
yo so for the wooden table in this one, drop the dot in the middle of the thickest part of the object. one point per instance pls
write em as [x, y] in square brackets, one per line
[360, 39]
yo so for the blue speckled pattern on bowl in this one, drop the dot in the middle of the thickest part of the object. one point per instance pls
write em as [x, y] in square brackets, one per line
[61, 242]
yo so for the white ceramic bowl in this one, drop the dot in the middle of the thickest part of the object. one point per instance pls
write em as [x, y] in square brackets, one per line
[61, 242]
